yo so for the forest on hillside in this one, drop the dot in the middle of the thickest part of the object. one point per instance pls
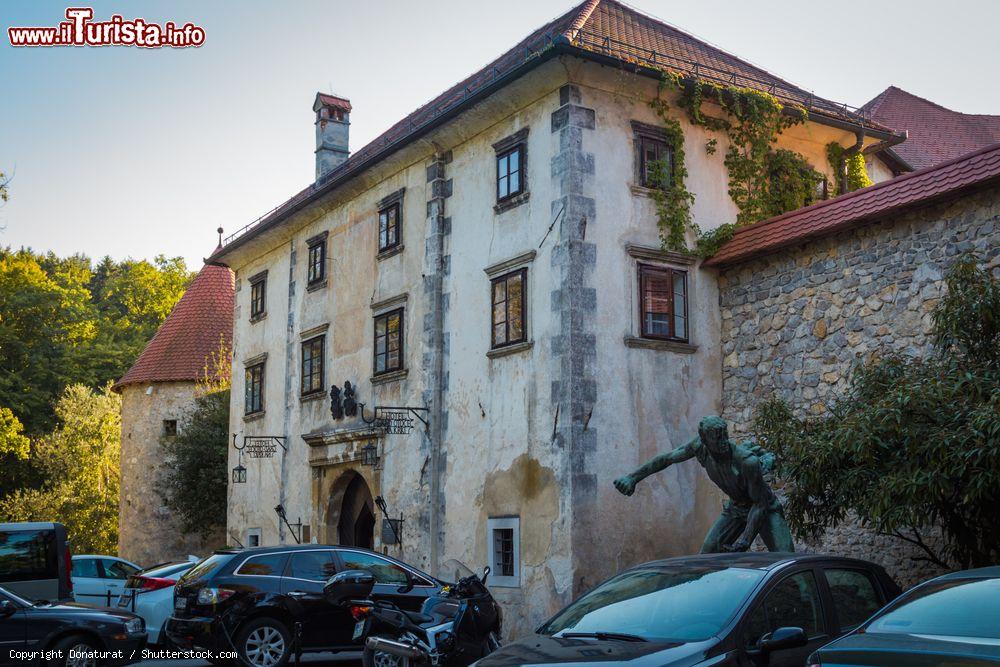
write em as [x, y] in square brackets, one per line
[70, 327]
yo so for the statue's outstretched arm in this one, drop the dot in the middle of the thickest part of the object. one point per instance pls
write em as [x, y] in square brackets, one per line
[660, 462]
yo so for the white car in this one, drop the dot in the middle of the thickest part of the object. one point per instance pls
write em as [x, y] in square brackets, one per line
[150, 594]
[99, 580]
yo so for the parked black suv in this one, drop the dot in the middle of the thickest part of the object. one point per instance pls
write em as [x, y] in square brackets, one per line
[250, 600]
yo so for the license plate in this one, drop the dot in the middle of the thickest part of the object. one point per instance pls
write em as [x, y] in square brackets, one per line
[125, 599]
[180, 603]
[359, 630]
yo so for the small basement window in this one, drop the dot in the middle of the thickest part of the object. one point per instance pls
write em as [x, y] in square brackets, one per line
[169, 427]
[504, 538]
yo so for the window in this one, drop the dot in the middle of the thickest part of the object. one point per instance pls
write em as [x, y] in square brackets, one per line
[854, 597]
[388, 227]
[312, 365]
[254, 389]
[169, 427]
[27, 554]
[269, 565]
[116, 569]
[384, 571]
[312, 565]
[656, 163]
[654, 156]
[253, 537]
[509, 308]
[512, 172]
[85, 567]
[794, 602]
[663, 299]
[510, 168]
[258, 304]
[317, 260]
[389, 342]
[504, 536]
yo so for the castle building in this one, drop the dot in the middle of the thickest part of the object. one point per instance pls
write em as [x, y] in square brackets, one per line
[157, 392]
[488, 277]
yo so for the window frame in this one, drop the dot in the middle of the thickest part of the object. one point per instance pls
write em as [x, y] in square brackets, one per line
[505, 277]
[307, 344]
[515, 143]
[642, 269]
[258, 296]
[504, 523]
[402, 341]
[396, 206]
[248, 383]
[881, 599]
[316, 267]
[755, 604]
[641, 134]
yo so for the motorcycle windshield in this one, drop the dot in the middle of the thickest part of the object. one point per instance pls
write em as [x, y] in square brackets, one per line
[453, 570]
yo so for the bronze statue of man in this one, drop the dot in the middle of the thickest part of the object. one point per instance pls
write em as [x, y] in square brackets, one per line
[737, 469]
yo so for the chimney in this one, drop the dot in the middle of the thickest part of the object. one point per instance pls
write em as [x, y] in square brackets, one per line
[333, 122]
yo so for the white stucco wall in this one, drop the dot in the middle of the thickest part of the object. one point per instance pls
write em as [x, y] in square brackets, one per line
[500, 452]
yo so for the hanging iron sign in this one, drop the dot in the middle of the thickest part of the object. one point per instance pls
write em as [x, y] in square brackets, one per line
[396, 420]
[260, 446]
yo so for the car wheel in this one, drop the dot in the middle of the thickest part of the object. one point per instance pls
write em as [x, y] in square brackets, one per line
[264, 642]
[372, 658]
[73, 651]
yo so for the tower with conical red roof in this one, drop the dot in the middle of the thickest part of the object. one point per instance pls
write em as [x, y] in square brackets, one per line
[157, 392]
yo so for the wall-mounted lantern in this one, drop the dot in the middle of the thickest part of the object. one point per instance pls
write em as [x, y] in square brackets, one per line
[369, 455]
[239, 474]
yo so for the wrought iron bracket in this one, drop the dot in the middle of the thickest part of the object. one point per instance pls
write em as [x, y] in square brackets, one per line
[260, 446]
[395, 419]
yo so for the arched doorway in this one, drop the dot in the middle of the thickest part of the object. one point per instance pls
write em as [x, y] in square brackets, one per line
[356, 522]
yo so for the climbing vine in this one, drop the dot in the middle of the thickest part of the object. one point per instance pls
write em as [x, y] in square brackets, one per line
[669, 183]
[762, 181]
[857, 175]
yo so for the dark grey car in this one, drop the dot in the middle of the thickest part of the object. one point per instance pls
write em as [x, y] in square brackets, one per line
[749, 609]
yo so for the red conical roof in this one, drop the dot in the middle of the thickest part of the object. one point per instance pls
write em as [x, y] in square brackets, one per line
[186, 340]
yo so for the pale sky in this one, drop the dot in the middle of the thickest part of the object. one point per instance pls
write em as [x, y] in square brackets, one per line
[134, 152]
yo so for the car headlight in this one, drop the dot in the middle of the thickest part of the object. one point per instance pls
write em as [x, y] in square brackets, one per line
[135, 626]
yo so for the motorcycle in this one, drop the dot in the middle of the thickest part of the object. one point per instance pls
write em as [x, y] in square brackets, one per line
[453, 629]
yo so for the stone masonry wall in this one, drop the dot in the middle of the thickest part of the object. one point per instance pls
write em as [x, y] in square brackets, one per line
[795, 322]
[147, 533]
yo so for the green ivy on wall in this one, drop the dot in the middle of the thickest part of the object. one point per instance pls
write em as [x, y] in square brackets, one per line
[763, 182]
[857, 175]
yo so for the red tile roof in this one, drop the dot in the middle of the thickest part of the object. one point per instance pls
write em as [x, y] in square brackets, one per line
[595, 28]
[184, 343]
[936, 133]
[333, 101]
[878, 202]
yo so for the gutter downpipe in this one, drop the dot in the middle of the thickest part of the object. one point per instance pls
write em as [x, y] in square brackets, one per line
[848, 152]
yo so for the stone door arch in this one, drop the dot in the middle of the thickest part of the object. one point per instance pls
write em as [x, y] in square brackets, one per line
[351, 514]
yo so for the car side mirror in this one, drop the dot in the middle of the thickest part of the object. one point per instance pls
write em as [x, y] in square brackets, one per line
[348, 585]
[408, 586]
[7, 608]
[784, 638]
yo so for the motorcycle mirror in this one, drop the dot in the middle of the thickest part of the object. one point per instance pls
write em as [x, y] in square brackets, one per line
[486, 573]
[348, 585]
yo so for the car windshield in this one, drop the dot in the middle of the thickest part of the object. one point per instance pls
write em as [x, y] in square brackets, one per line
[957, 608]
[659, 604]
[16, 598]
[206, 567]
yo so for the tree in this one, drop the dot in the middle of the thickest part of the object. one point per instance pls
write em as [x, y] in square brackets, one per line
[79, 464]
[914, 442]
[195, 476]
